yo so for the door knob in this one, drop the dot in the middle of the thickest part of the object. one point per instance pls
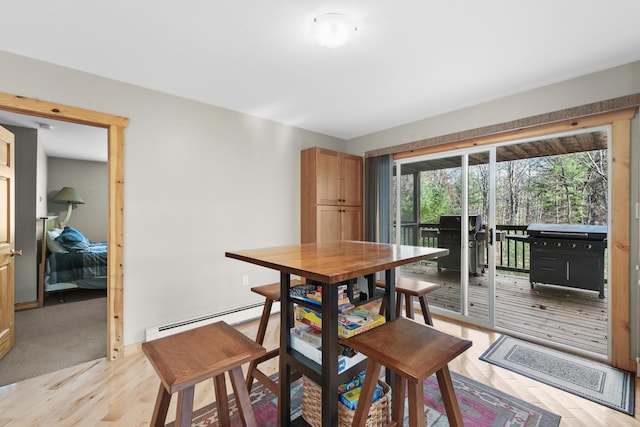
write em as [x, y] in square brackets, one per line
[16, 253]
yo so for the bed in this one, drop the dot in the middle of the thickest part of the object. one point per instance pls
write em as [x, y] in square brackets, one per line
[69, 260]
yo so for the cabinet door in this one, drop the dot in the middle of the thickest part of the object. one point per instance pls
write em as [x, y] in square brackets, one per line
[351, 218]
[327, 177]
[351, 180]
[328, 223]
[585, 271]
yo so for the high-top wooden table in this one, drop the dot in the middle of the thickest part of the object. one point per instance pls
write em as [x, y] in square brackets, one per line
[329, 264]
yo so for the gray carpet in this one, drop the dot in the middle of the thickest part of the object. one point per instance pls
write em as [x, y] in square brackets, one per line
[56, 337]
[586, 378]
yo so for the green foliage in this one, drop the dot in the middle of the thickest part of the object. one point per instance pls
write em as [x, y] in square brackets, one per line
[569, 188]
[433, 203]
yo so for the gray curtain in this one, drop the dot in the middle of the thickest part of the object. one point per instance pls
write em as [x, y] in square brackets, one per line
[377, 207]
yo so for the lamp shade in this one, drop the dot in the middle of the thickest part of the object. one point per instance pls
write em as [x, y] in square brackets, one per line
[68, 196]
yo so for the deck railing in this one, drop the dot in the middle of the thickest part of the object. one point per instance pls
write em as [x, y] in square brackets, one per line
[512, 254]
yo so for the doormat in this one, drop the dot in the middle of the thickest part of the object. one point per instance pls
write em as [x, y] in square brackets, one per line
[598, 382]
[481, 406]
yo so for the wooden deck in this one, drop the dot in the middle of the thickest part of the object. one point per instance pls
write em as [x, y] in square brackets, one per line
[566, 316]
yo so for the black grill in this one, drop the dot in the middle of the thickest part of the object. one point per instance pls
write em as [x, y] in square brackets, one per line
[449, 238]
[569, 255]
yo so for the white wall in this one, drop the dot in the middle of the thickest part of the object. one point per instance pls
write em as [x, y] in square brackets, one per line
[199, 180]
[41, 184]
[612, 83]
[26, 266]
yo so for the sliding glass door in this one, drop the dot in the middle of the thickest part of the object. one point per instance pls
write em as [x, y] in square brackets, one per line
[526, 226]
[446, 201]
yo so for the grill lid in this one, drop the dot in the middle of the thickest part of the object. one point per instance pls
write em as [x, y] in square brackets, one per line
[568, 231]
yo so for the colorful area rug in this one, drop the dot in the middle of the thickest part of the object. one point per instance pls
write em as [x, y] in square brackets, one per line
[586, 378]
[481, 406]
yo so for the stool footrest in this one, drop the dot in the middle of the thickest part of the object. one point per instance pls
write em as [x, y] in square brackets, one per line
[270, 355]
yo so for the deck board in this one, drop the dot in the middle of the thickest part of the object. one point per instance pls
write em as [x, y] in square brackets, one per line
[566, 316]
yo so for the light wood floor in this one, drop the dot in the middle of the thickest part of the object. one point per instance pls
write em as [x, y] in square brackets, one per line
[122, 393]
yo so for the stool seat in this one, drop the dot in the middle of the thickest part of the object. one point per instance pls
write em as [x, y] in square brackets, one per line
[412, 351]
[271, 293]
[272, 290]
[411, 288]
[187, 358]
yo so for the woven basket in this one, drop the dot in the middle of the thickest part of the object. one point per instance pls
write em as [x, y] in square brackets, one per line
[379, 413]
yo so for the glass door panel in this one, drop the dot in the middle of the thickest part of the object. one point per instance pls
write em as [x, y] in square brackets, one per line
[559, 183]
[429, 196]
[481, 235]
[446, 202]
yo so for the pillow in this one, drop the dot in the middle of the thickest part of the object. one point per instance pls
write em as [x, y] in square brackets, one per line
[52, 244]
[53, 234]
[73, 240]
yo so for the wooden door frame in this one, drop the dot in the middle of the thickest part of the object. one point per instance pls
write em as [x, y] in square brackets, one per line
[619, 246]
[115, 126]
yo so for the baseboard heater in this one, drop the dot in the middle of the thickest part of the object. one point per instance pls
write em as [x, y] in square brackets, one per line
[232, 316]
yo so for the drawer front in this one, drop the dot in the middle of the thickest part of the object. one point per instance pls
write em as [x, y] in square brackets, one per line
[548, 269]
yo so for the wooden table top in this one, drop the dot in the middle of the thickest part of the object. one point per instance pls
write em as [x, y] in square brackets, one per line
[336, 261]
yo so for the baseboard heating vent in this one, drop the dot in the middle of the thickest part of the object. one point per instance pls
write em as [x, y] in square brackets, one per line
[232, 316]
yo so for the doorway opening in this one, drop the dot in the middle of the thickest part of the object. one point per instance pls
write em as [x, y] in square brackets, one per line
[115, 126]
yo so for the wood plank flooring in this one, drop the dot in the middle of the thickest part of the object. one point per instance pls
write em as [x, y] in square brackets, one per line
[566, 316]
[122, 392]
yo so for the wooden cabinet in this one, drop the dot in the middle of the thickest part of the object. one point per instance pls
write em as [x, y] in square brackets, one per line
[331, 196]
[337, 223]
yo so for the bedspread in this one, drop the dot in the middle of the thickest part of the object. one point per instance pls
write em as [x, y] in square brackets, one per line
[86, 264]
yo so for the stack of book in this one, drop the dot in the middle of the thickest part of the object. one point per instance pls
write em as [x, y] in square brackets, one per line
[350, 322]
[308, 341]
[314, 296]
[357, 320]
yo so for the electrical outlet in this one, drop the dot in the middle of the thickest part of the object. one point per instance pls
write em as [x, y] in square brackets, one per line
[245, 280]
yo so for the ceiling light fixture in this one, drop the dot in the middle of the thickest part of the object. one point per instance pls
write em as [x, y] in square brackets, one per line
[332, 30]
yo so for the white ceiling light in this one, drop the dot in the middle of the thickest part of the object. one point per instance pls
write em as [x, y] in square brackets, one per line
[332, 29]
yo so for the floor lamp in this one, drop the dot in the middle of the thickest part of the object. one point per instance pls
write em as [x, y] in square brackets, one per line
[70, 197]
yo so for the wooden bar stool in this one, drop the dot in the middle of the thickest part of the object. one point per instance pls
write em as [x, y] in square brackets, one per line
[187, 358]
[413, 351]
[271, 293]
[411, 288]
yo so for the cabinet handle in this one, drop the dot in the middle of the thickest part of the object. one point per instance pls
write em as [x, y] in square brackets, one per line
[567, 270]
